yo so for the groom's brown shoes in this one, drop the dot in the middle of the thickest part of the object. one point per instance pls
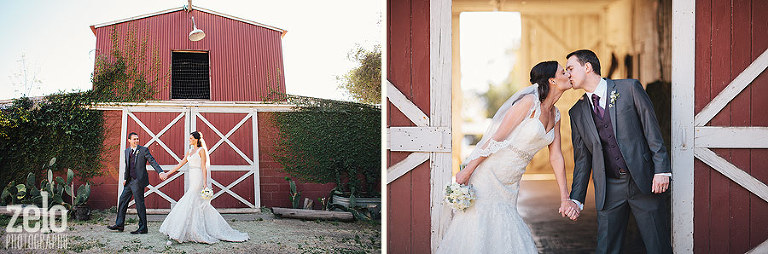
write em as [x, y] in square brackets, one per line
[139, 232]
[116, 227]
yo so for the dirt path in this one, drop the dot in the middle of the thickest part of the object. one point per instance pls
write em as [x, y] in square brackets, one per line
[271, 235]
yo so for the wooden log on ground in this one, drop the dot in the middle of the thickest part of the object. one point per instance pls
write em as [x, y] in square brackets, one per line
[312, 214]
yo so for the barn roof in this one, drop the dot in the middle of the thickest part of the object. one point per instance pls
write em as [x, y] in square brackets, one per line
[197, 8]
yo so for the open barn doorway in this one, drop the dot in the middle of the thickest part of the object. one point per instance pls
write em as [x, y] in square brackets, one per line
[495, 44]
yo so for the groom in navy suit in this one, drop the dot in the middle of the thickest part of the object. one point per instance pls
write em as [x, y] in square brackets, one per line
[135, 180]
[616, 138]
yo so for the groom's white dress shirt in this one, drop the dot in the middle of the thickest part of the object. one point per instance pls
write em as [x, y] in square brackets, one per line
[601, 90]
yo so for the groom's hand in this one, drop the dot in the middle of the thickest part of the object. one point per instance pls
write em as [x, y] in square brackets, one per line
[660, 184]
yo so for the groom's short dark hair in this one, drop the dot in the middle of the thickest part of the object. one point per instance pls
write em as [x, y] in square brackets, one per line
[587, 56]
[131, 135]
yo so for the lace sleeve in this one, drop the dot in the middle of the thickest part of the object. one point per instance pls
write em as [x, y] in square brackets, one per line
[557, 115]
[501, 136]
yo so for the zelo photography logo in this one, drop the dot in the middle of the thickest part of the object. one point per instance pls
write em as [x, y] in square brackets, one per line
[38, 226]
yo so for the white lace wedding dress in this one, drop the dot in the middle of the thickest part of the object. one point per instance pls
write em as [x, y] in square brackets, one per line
[193, 219]
[492, 224]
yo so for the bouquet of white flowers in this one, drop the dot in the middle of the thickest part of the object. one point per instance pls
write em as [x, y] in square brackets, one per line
[206, 193]
[459, 197]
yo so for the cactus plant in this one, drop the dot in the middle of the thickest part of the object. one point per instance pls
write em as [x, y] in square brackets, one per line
[82, 195]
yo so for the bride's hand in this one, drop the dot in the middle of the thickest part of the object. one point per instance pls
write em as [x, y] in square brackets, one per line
[463, 177]
[564, 204]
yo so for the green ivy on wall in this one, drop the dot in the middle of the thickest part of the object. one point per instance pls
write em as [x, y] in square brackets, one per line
[325, 141]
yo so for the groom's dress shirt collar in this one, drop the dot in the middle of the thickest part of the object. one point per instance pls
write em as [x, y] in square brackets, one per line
[600, 90]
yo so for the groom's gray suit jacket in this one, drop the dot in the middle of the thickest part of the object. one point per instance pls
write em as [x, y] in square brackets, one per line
[141, 158]
[637, 134]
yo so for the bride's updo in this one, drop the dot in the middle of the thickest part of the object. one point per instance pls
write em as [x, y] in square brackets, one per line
[540, 74]
[198, 136]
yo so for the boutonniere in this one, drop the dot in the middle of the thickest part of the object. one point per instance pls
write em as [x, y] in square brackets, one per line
[614, 97]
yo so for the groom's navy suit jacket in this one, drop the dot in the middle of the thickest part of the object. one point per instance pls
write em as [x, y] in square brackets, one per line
[141, 158]
[637, 134]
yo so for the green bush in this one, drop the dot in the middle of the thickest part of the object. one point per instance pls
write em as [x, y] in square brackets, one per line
[325, 141]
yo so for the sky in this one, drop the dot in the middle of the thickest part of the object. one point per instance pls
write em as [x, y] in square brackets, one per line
[58, 45]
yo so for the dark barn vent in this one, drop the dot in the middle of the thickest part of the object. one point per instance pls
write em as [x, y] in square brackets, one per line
[189, 76]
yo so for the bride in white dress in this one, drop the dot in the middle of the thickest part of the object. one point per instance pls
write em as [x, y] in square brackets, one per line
[524, 124]
[194, 219]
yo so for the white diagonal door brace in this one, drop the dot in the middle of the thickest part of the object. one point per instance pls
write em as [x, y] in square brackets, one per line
[225, 138]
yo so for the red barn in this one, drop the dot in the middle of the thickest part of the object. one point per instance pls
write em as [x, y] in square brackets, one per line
[216, 86]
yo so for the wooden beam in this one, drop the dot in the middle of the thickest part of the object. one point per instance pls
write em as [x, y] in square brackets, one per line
[564, 7]
[731, 137]
[396, 171]
[312, 214]
[405, 105]
[440, 87]
[762, 248]
[683, 80]
[419, 139]
[734, 88]
[732, 172]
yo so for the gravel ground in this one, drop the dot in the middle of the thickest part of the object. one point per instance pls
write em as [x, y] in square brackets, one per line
[268, 235]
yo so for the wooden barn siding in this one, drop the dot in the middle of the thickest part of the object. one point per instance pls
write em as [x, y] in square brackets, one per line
[244, 58]
[274, 188]
[408, 217]
[730, 34]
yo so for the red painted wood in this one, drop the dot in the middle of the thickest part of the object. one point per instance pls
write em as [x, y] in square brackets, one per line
[758, 207]
[721, 77]
[420, 54]
[225, 154]
[245, 60]
[740, 110]
[730, 34]
[702, 173]
[421, 219]
[399, 195]
[174, 139]
[408, 69]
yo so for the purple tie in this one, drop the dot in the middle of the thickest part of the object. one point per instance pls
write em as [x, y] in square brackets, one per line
[596, 102]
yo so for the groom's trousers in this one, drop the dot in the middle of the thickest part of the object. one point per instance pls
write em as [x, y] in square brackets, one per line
[132, 189]
[651, 212]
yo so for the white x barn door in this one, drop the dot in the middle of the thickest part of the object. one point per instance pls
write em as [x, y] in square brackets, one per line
[182, 118]
[252, 160]
[192, 118]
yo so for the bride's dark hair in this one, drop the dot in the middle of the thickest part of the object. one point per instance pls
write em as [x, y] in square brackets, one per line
[197, 136]
[541, 73]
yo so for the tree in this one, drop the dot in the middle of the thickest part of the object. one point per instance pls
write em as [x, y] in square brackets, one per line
[363, 82]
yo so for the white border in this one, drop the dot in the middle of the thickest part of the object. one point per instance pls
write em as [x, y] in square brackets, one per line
[683, 81]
